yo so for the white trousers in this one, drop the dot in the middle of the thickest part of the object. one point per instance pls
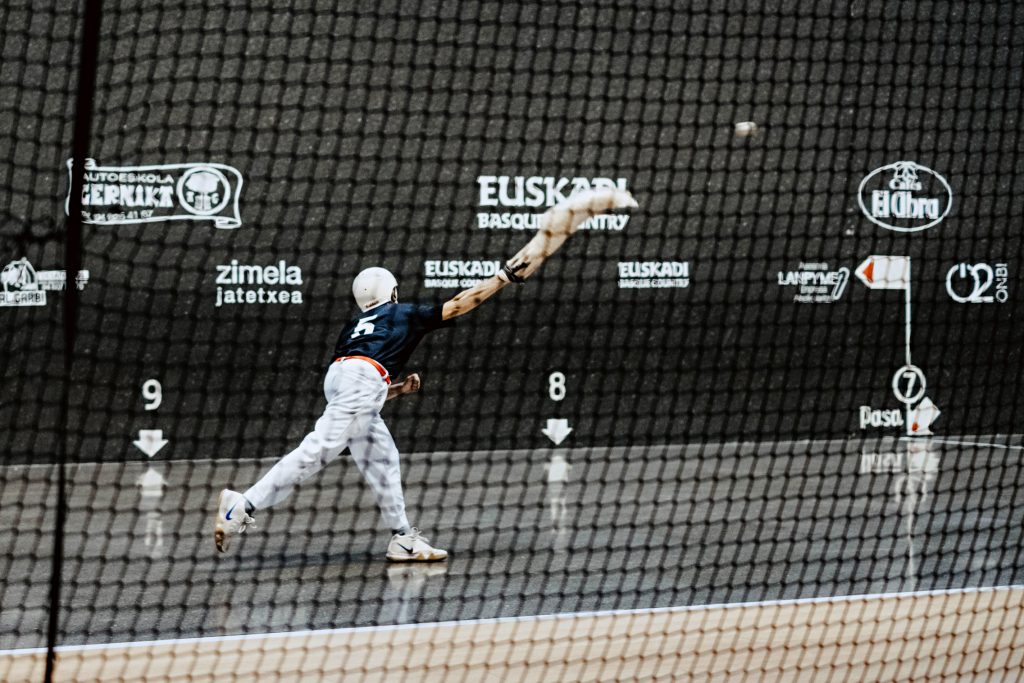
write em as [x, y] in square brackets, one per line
[355, 394]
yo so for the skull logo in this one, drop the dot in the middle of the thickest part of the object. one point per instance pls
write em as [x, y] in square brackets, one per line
[203, 190]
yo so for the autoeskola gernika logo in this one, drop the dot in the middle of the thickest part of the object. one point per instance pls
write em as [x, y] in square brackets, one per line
[23, 285]
[120, 195]
[239, 283]
[816, 283]
[905, 196]
[450, 274]
[978, 283]
[654, 274]
[539, 193]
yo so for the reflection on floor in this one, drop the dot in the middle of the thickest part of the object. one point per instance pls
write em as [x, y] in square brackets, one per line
[406, 584]
[151, 492]
[558, 471]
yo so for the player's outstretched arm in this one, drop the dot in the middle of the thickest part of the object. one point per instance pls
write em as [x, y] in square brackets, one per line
[406, 386]
[556, 225]
[466, 300]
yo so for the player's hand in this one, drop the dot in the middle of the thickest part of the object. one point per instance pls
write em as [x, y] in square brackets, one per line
[411, 384]
[510, 274]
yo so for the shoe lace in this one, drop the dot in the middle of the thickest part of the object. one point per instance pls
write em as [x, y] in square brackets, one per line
[414, 533]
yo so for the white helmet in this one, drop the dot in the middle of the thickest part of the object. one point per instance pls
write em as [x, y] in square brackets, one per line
[373, 287]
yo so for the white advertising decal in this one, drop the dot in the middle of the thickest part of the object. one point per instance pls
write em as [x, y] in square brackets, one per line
[654, 274]
[905, 196]
[23, 285]
[880, 417]
[816, 283]
[978, 283]
[238, 283]
[539, 193]
[121, 195]
[453, 273]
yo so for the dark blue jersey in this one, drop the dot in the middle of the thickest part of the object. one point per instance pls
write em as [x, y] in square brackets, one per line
[389, 333]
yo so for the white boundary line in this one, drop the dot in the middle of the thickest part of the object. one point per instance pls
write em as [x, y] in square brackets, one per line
[469, 454]
[506, 620]
[976, 443]
[858, 440]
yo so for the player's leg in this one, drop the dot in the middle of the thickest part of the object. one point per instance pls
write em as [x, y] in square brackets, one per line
[376, 456]
[352, 400]
[318, 449]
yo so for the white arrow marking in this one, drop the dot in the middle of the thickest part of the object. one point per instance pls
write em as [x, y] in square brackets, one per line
[150, 441]
[557, 430]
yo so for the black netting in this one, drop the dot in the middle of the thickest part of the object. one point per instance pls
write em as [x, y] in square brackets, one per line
[788, 377]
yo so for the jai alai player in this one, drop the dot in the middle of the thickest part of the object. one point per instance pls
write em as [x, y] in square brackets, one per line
[372, 349]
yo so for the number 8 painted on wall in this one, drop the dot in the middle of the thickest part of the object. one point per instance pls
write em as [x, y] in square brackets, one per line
[556, 386]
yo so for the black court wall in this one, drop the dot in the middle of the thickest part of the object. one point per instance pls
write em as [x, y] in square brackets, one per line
[426, 139]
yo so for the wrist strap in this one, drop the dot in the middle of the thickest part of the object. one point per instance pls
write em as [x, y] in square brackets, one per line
[511, 275]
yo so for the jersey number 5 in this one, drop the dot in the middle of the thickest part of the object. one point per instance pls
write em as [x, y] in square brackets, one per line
[364, 326]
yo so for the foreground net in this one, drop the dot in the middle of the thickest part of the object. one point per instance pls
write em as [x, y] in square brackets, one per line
[762, 426]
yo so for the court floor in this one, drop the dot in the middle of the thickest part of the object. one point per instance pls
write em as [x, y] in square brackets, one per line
[530, 533]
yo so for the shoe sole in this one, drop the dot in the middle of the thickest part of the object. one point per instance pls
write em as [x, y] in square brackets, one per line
[221, 539]
[416, 558]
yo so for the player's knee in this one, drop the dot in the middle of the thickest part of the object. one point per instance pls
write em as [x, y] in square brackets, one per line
[311, 453]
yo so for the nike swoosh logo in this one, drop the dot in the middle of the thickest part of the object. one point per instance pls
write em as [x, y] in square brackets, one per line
[228, 516]
[408, 550]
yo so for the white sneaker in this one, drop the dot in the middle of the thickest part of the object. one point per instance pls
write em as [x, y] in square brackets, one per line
[413, 547]
[231, 518]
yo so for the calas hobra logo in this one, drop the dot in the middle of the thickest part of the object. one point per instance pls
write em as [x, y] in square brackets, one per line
[905, 196]
[120, 195]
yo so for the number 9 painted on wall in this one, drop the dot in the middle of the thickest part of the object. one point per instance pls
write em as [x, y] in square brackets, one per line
[153, 393]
